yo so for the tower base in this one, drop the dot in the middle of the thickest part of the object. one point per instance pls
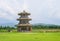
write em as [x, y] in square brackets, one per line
[24, 29]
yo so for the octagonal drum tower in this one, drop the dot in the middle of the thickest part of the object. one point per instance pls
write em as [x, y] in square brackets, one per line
[24, 25]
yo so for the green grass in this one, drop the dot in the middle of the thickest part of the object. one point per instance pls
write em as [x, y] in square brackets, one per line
[29, 36]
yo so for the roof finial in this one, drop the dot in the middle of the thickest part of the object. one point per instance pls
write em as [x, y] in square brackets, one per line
[23, 10]
[25, 5]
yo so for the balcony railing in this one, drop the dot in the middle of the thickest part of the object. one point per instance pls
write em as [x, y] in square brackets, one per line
[24, 25]
[24, 19]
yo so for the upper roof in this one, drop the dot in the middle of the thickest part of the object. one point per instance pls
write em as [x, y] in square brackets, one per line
[24, 12]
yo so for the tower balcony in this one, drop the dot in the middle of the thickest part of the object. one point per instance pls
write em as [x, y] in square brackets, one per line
[24, 16]
[24, 25]
[24, 19]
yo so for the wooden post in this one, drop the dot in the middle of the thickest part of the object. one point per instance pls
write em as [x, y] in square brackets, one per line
[27, 29]
[30, 29]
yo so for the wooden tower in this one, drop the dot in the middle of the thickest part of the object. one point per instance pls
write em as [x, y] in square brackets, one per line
[24, 25]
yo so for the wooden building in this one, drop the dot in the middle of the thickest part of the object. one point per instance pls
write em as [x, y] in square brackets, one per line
[24, 25]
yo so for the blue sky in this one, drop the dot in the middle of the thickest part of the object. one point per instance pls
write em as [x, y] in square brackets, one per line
[42, 11]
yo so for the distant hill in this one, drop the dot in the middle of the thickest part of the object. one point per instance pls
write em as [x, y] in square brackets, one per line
[37, 24]
[43, 24]
[8, 24]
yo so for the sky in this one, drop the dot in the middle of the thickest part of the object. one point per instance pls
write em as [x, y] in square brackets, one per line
[42, 11]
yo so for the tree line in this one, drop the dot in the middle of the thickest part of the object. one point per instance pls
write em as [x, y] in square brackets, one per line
[33, 26]
[46, 26]
[6, 27]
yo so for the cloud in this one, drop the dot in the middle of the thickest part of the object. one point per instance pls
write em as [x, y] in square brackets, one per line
[54, 9]
[42, 11]
[7, 11]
